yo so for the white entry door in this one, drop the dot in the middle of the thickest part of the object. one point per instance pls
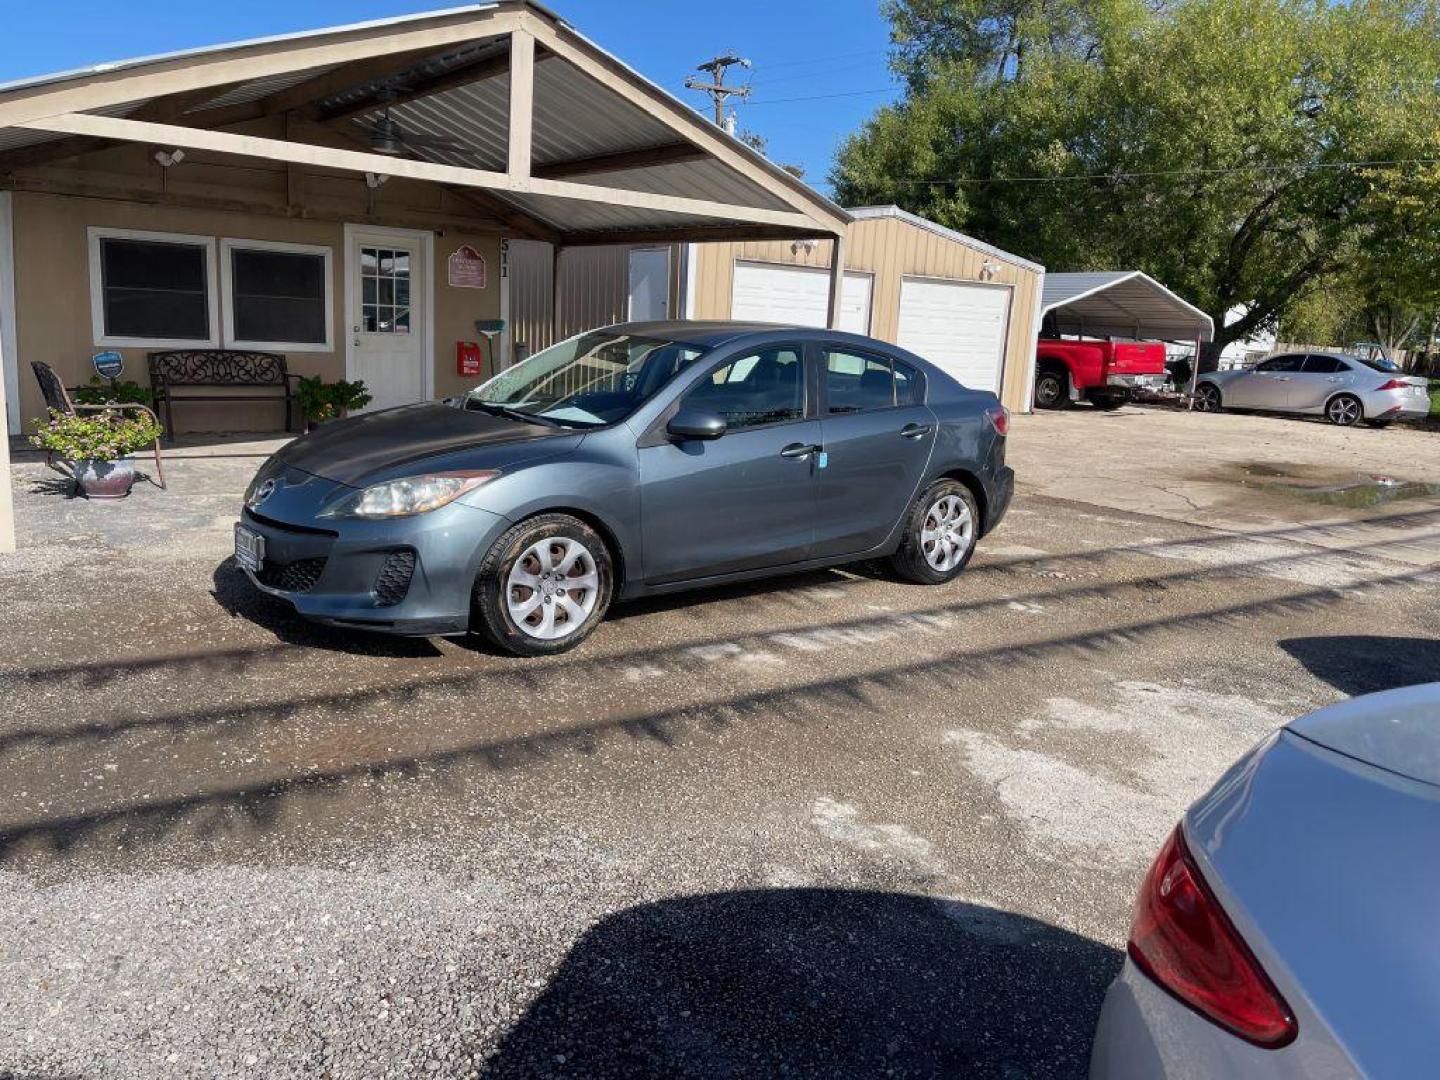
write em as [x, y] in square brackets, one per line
[385, 310]
[800, 295]
[649, 284]
[959, 326]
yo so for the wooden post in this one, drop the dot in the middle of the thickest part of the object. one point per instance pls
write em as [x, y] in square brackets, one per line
[9, 364]
[522, 99]
[7, 500]
[837, 280]
[556, 250]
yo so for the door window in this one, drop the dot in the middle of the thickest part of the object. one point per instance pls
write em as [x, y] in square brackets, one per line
[1280, 363]
[384, 290]
[1324, 365]
[766, 387]
[861, 382]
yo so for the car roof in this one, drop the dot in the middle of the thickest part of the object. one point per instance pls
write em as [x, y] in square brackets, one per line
[709, 333]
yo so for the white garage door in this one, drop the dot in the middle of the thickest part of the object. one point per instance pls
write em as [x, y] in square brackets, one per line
[958, 326]
[798, 294]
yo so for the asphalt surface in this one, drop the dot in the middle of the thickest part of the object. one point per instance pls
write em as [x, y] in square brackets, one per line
[832, 825]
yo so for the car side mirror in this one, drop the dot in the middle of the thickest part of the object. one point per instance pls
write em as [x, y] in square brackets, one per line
[696, 424]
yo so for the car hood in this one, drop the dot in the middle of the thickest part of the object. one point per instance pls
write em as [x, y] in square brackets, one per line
[373, 445]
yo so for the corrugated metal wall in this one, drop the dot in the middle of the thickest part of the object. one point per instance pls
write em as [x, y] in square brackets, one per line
[594, 290]
[890, 249]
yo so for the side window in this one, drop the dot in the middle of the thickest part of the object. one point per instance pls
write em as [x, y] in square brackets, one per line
[766, 387]
[857, 383]
[1279, 363]
[1323, 365]
[909, 384]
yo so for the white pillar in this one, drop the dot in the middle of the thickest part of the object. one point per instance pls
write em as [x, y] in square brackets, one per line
[837, 281]
[10, 363]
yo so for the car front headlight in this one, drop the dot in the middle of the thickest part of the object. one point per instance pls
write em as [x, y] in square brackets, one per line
[409, 495]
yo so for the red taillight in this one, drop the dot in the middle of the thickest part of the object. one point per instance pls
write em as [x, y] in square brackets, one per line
[999, 418]
[1394, 384]
[1183, 940]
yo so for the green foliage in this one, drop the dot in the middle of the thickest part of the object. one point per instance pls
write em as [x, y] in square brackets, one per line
[103, 392]
[1206, 142]
[320, 400]
[98, 436]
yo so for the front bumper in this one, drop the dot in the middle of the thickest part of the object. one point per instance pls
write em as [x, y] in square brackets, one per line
[405, 576]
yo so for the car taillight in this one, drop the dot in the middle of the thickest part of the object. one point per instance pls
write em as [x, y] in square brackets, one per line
[1393, 384]
[999, 418]
[1183, 940]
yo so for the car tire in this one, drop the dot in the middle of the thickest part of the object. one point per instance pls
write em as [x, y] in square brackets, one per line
[946, 508]
[1052, 389]
[1344, 410]
[535, 561]
[1207, 396]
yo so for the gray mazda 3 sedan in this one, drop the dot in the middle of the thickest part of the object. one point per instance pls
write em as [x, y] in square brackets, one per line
[627, 461]
[1289, 927]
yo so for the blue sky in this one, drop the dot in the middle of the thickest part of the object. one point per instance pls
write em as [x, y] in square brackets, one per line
[828, 53]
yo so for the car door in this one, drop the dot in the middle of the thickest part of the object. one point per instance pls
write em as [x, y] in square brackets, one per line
[747, 499]
[1267, 386]
[878, 435]
[1319, 377]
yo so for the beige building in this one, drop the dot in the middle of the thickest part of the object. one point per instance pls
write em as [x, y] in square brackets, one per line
[962, 304]
[346, 198]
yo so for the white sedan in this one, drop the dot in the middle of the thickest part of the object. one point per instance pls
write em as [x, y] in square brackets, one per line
[1344, 389]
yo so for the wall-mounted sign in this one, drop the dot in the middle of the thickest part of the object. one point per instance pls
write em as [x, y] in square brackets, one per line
[467, 268]
[108, 365]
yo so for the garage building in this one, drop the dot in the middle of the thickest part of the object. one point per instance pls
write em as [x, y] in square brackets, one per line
[964, 305]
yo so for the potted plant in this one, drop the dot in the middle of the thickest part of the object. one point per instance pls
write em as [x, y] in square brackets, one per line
[108, 392]
[96, 445]
[322, 402]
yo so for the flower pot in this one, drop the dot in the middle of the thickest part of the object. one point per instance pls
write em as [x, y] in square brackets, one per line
[104, 479]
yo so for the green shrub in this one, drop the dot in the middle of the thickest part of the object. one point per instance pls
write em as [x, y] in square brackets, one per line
[98, 436]
[320, 400]
[103, 392]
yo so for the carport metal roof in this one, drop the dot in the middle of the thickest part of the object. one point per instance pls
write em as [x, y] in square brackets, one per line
[1120, 303]
[550, 135]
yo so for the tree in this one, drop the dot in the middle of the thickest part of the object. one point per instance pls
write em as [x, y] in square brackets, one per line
[1209, 142]
[760, 145]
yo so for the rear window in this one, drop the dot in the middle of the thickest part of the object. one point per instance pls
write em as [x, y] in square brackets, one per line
[1379, 363]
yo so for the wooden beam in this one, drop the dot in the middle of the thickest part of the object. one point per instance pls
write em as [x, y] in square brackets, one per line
[246, 63]
[691, 234]
[153, 196]
[520, 223]
[522, 104]
[837, 280]
[350, 160]
[648, 158]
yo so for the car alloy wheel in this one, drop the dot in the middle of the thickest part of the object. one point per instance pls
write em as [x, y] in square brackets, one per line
[947, 533]
[1343, 410]
[1209, 398]
[552, 588]
[1049, 390]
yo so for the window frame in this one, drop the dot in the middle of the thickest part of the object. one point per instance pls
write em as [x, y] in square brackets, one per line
[822, 367]
[808, 403]
[230, 244]
[98, 233]
[1299, 359]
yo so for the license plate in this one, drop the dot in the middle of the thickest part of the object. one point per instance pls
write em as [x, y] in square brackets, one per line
[249, 548]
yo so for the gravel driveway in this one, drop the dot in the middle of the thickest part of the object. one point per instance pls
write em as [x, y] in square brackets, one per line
[825, 826]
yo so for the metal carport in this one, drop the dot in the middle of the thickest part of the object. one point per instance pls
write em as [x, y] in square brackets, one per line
[1119, 303]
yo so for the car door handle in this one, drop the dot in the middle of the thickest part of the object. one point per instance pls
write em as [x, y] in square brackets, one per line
[799, 450]
[1335, 379]
[916, 431]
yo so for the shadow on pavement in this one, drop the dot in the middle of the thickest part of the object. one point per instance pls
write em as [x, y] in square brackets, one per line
[1364, 664]
[815, 982]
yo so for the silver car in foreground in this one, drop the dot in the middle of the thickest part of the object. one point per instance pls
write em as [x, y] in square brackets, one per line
[1344, 389]
[1290, 926]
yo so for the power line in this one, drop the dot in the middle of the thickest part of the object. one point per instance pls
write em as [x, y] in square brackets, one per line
[716, 88]
[825, 97]
[1077, 177]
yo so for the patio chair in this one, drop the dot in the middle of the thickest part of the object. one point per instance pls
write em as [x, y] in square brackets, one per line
[57, 399]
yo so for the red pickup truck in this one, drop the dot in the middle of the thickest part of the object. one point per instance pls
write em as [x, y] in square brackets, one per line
[1105, 373]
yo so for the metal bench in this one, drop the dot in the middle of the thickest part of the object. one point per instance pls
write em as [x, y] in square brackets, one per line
[198, 373]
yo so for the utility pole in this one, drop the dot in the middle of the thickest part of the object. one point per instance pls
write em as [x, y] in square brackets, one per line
[716, 88]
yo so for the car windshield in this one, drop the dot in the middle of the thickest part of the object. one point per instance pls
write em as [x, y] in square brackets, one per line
[594, 379]
[1379, 363]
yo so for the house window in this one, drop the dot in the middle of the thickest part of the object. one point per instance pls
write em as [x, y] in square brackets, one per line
[277, 296]
[385, 291]
[151, 288]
